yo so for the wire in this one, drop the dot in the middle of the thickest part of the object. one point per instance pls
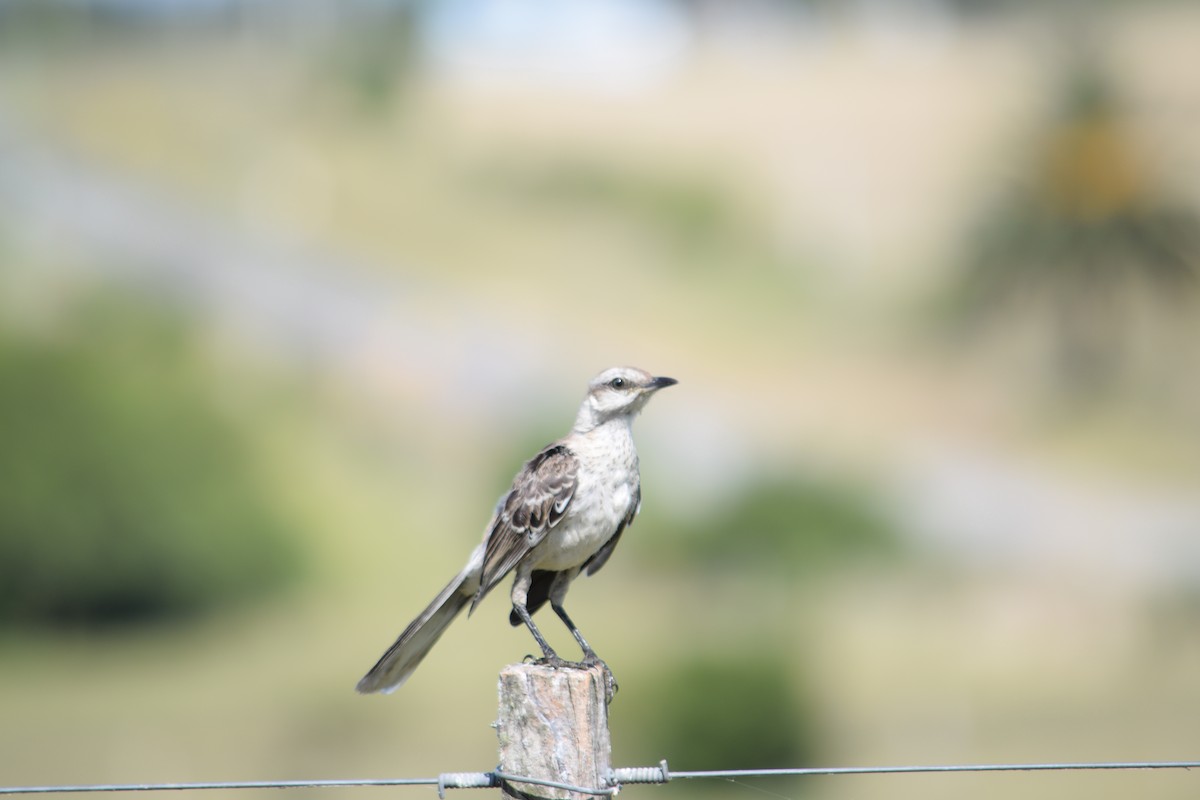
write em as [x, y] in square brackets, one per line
[658, 774]
[163, 787]
[765, 773]
[506, 778]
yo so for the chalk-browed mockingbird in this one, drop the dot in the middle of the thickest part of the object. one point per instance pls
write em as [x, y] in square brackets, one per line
[564, 514]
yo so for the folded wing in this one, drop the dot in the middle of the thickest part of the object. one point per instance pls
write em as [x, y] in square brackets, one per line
[540, 496]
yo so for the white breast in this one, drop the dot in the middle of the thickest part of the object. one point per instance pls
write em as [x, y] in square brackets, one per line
[604, 496]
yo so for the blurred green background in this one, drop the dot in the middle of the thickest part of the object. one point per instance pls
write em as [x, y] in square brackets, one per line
[288, 291]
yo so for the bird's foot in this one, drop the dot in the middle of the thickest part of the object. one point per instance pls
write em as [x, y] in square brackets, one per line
[555, 661]
[590, 659]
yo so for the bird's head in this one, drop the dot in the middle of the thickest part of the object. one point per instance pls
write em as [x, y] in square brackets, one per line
[617, 392]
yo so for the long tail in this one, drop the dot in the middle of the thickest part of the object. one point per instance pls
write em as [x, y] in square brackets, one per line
[398, 663]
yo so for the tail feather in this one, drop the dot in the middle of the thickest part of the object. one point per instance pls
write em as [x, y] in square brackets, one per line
[398, 663]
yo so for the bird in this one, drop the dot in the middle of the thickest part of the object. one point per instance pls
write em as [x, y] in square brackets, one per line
[563, 515]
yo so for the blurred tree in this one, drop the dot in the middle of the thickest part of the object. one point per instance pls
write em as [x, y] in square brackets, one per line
[1087, 244]
[786, 522]
[374, 54]
[728, 711]
[125, 493]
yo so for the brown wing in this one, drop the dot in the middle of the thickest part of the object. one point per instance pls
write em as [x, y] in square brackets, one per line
[540, 495]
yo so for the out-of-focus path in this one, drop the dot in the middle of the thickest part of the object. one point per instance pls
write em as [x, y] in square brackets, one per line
[298, 301]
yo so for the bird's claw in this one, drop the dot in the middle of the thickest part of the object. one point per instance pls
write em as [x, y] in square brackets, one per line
[610, 680]
[555, 661]
[589, 660]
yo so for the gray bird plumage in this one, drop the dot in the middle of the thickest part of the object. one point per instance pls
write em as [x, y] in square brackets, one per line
[564, 514]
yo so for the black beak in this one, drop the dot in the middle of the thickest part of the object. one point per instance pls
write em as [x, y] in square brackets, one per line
[662, 383]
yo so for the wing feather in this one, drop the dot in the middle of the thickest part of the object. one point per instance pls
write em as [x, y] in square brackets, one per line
[540, 496]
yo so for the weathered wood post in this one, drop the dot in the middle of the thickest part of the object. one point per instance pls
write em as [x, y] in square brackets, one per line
[553, 725]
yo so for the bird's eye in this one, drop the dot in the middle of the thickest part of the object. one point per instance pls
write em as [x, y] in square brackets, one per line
[617, 383]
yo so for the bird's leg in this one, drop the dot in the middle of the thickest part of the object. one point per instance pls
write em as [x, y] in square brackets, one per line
[520, 600]
[548, 655]
[589, 655]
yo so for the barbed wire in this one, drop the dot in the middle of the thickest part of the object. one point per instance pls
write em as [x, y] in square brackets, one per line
[616, 778]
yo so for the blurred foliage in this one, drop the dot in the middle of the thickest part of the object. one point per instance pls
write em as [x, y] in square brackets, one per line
[1086, 243]
[688, 212]
[737, 711]
[126, 492]
[374, 56]
[788, 523]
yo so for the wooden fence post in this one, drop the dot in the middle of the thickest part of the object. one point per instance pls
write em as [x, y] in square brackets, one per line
[553, 725]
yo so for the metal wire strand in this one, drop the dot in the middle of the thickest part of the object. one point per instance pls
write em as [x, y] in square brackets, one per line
[617, 777]
[1063, 767]
[166, 787]
[570, 787]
